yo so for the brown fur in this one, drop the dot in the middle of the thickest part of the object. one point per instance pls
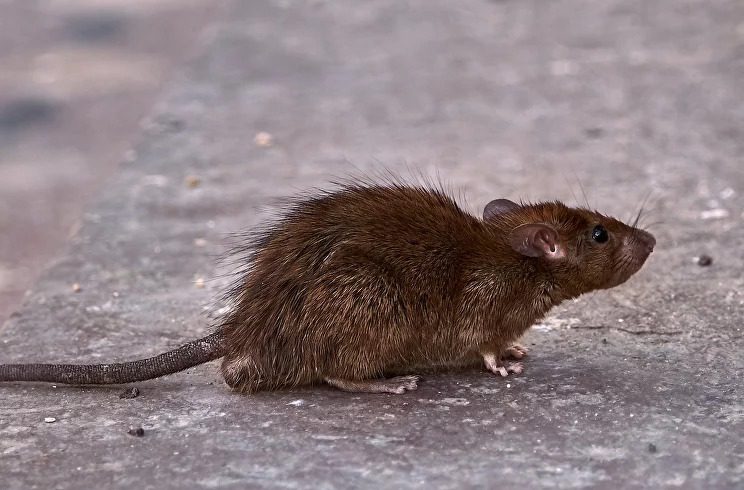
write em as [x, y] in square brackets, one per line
[370, 280]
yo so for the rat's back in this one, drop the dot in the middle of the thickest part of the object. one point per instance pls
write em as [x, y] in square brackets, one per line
[347, 284]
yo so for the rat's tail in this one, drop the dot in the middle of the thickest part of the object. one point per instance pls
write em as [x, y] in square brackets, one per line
[188, 355]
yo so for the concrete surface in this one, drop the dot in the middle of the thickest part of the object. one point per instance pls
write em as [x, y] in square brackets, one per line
[76, 76]
[636, 387]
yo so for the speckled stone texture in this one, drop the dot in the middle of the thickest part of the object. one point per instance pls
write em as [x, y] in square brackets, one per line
[636, 387]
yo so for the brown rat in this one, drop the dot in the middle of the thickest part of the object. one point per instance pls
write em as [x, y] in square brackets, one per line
[353, 285]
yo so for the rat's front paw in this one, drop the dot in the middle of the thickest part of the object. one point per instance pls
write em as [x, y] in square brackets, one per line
[516, 351]
[497, 366]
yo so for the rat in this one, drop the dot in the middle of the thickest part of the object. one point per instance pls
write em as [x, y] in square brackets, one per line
[360, 286]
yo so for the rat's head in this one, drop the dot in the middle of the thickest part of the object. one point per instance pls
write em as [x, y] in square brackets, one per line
[583, 250]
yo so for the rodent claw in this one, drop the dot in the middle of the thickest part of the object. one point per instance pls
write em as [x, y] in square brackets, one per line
[516, 351]
[515, 367]
[497, 366]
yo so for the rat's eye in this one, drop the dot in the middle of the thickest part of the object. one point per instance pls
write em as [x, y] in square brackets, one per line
[599, 234]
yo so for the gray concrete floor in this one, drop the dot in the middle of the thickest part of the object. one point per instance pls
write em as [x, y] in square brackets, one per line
[636, 387]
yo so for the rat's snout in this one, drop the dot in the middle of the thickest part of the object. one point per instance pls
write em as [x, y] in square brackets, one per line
[645, 240]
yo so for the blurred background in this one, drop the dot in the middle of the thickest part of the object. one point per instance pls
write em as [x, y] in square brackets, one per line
[76, 77]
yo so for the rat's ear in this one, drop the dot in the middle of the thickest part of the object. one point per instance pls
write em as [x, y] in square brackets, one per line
[498, 206]
[537, 240]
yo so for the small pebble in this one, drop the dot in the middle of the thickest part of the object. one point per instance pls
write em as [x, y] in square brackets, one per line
[76, 288]
[200, 242]
[49, 420]
[651, 447]
[704, 260]
[199, 282]
[263, 139]
[192, 181]
[130, 393]
[136, 431]
[594, 132]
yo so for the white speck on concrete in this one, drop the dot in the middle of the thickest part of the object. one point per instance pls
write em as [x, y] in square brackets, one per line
[263, 139]
[718, 213]
[327, 437]
[727, 193]
[447, 402]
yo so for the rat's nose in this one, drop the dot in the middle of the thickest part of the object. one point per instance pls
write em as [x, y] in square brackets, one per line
[645, 239]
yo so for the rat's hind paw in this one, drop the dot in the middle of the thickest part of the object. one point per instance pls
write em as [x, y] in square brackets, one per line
[514, 367]
[509, 367]
[497, 366]
[396, 386]
[516, 351]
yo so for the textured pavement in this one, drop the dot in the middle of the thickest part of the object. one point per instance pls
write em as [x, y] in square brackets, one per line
[635, 387]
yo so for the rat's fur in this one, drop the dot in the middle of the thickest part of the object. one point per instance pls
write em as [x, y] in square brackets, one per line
[370, 280]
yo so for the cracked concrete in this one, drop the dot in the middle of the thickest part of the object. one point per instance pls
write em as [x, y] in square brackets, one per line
[636, 387]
